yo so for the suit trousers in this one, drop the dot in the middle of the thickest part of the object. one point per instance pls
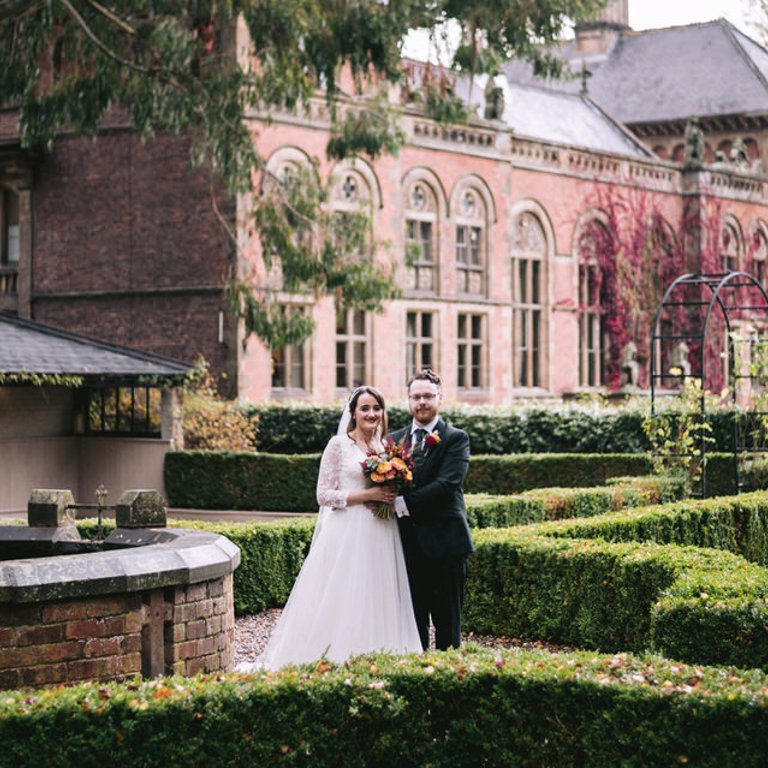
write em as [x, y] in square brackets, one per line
[437, 591]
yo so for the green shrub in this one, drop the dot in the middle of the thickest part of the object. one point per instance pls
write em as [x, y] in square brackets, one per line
[562, 581]
[209, 421]
[224, 480]
[281, 483]
[488, 511]
[738, 524]
[446, 710]
[620, 596]
[305, 428]
[516, 473]
[271, 555]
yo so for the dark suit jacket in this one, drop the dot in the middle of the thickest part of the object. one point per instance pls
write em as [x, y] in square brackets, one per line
[435, 499]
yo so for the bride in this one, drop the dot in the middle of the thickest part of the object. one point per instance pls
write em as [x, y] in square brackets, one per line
[351, 595]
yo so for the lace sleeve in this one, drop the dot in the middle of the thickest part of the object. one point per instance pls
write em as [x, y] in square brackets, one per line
[328, 493]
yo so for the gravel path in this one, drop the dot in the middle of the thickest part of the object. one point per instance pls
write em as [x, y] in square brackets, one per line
[252, 634]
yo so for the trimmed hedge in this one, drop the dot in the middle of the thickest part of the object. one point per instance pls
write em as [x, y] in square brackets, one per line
[738, 524]
[272, 553]
[516, 473]
[530, 708]
[233, 480]
[279, 483]
[488, 511]
[560, 582]
[304, 428]
[700, 606]
[469, 708]
[590, 582]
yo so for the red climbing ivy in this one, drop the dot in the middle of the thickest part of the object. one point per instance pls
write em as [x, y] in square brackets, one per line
[638, 254]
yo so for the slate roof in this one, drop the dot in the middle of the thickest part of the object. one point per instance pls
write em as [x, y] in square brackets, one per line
[565, 118]
[29, 347]
[667, 74]
[538, 112]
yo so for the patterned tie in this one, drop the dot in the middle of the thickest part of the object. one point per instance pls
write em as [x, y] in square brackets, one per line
[418, 445]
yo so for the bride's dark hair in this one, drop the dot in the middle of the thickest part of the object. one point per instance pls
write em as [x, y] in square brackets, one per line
[355, 396]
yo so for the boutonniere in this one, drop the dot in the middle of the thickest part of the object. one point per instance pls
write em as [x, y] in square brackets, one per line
[433, 438]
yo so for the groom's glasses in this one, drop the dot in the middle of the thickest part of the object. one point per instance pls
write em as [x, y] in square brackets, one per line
[428, 398]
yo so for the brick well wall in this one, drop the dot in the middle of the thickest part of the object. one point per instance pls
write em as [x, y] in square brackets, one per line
[70, 640]
[111, 637]
[200, 627]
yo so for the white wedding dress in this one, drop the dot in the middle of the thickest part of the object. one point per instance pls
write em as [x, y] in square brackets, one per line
[351, 595]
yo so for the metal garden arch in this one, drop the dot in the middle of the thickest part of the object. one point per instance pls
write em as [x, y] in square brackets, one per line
[734, 295]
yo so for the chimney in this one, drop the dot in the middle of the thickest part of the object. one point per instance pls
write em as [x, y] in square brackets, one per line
[598, 36]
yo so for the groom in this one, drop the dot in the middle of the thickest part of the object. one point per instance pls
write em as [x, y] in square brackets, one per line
[432, 515]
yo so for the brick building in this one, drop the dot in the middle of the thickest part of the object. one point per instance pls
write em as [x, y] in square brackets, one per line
[117, 238]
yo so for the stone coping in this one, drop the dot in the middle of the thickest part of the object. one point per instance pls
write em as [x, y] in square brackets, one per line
[145, 559]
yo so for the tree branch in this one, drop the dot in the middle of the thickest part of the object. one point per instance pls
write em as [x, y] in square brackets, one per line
[99, 44]
[10, 8]
[116, 20]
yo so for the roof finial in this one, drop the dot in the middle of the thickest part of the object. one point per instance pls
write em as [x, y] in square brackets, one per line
[585, 75]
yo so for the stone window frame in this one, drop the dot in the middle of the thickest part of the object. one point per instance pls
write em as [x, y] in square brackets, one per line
[589, 309]
[354, 187]
[290, 358]
[759, 251]
[279, 163]
[421, 343]
[530, 313]
[479, 218]
[731, 244]
[16, 178]
[472, 370]
[355, 342]
[430, 213]
[10, 227]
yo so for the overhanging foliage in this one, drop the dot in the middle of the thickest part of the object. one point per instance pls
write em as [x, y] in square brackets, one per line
[175, 66]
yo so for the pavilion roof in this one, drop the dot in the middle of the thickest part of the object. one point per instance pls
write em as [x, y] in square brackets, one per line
[30, 347]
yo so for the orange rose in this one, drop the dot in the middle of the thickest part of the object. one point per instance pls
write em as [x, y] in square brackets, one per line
[384, 468]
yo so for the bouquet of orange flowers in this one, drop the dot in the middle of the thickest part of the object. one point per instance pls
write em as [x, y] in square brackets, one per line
[392, 465]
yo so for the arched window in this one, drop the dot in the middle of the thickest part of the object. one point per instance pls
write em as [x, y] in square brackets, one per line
[291, 363]
[421, 224]
[759, 253]
[351, 201]
[593, 239]
[752, 148]
[723, 151]
[730, 247]
[529, 251]
[287, 168]
[471, 250]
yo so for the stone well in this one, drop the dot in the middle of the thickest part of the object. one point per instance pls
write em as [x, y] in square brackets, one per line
[147, 600]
